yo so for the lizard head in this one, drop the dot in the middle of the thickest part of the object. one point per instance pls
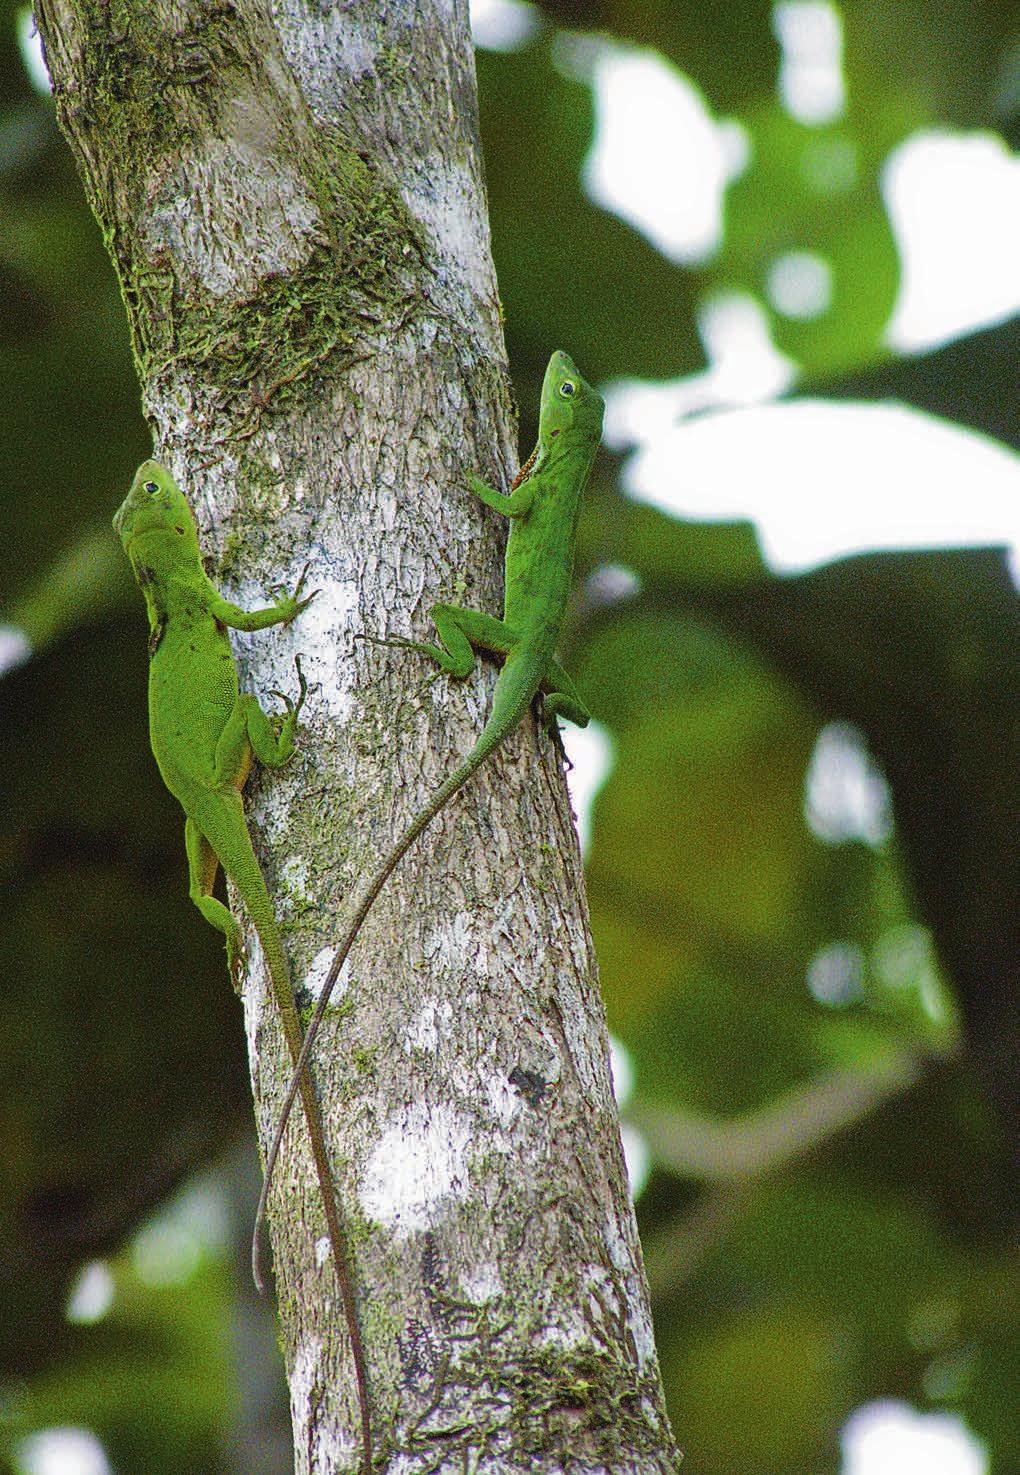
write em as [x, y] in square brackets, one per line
[155, 509]
[568, 403]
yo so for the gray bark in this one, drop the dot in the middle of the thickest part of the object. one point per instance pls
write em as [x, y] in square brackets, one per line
[293, 199]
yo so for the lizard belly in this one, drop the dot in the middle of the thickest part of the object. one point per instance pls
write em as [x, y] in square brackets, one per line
[534, 603]
[538, 572]
[192, 692]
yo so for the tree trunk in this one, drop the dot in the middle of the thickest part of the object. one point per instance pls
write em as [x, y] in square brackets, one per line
[293, 199]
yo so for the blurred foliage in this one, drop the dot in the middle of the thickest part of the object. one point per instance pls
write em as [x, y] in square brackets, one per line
[154, 1336]
[536, 206]
[869, 1256]
[161, 1349]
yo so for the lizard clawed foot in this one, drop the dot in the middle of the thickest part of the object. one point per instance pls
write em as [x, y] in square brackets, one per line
[302, 686]
[293, 708]
[304, 603]
[399, 642]
[295, 600]
[547, 715]
[553, 729]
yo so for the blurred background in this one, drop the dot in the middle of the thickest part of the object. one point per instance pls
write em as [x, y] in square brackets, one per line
[785, 240]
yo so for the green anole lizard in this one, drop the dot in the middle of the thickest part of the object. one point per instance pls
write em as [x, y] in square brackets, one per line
[543, 506]
[204, 734]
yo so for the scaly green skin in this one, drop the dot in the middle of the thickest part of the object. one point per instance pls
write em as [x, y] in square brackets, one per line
[204, 734]
[543, 506]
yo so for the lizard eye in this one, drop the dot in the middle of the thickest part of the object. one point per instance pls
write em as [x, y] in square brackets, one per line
[152, 487]
[567, 388]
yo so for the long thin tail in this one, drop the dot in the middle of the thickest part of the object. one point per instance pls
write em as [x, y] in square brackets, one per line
[339, 1238]
[247, 876]
[494, 733]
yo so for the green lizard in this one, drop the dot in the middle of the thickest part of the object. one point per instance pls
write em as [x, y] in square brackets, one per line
[204, 734]
[543, 506]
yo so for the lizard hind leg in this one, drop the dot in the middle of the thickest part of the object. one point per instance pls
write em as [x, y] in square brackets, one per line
[561, 698]
[202, 867]
[462, 633]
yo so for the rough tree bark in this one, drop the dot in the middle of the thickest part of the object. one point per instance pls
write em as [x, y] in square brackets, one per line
[292, 196]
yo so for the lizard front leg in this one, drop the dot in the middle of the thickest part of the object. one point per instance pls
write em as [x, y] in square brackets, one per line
[561, 698]
[237, 618]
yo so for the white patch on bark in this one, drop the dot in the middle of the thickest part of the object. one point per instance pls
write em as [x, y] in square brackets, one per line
[421, 1161]
[602, 1296]
[404, 1464]
[426, 1028]
[254, 998]
[322, 1250]
[334, 1448]
[235, 212]
[448, 944]
[507, 920]
[583, 1031]
[622, 1255]
[294, 876]
[567, 1338]
[316, 975]
[481, 1284]
[444, 198]
[15, 648]
[328, 48]
[504, 1103]
[307, 1358]
[321, 635]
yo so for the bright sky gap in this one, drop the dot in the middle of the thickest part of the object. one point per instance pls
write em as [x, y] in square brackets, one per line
[819, 481]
